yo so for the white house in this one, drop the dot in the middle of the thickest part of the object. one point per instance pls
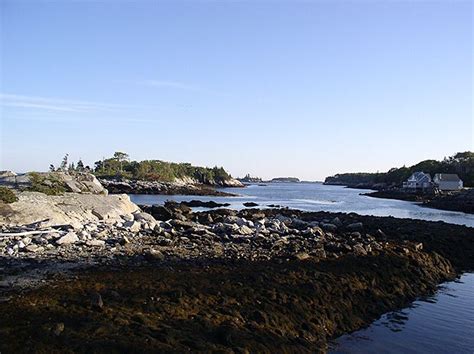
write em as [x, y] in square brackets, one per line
[418, 180]
[447, 182]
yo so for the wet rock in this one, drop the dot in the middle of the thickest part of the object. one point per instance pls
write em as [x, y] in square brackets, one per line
[357, 226]
[96, 300]
[302, 256]
[359, 250]
[329, 227]
[317, 231]
[380, 234]
[298, 223]
[336, 221]
[158, 212]
[153, 255]
[201, 204]
[183, 224]
[58, 328]
[124, 240]
[250, 204]
[418, 246]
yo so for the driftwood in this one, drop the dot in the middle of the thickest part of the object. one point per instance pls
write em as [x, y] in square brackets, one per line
[25, 233]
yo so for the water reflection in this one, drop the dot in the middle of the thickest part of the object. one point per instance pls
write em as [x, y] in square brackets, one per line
[441, 323]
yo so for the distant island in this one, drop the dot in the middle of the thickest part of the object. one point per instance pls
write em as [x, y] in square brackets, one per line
[249, 179]
[285, 180]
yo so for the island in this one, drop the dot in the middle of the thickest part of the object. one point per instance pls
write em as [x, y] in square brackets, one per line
[285, 180]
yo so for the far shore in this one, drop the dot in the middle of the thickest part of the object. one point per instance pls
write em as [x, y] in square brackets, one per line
[462, 201]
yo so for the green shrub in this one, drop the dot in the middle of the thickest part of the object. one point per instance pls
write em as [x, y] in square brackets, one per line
[50, 184]
[7, 195]
[156, 170]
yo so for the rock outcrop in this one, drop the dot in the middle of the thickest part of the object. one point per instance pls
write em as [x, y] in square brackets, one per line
[156, 187]
[70, 208]
[76, 182]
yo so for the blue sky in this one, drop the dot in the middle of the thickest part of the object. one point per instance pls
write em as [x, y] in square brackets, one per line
[271, 88]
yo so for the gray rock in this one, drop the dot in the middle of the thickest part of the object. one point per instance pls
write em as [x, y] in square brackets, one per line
[245, 230]
[26, 241]
[133, 226]
[359, 250]
[68, 239]
[329, 227]
[154, 255]
[317, 231]
[96, 243]
[128, 217]
[336, 221]
[299, 224]
[241, 221]
[302, 256]
[142, 216]
[357, 226]
[34, 248]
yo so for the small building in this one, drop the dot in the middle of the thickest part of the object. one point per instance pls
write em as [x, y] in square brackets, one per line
[447, 182]
[418, 180]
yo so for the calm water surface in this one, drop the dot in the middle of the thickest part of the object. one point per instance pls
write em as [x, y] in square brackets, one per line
[443, 323]
[318, 197]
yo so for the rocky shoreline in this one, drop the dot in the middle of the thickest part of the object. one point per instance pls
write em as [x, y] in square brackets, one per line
[165, 278]
[166, 188]
[462, 201]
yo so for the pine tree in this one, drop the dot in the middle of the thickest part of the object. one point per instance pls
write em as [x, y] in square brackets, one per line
[63, 165]
[80, 165]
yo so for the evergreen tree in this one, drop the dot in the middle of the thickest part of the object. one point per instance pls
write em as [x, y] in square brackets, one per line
[63, 165]
[80, 165]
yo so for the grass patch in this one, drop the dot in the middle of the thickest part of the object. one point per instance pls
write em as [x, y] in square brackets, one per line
[50, 184]
[7, 195]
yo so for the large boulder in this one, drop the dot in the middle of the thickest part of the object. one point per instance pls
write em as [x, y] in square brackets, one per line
[81, 182]
[70, 208]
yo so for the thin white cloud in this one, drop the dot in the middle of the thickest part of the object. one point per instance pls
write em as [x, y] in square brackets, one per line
[55, 104]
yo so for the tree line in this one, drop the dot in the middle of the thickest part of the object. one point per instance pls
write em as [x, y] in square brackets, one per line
[462, 164]
[120, 165]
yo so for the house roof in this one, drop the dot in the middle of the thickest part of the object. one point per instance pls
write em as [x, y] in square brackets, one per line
[420, 176]
[448, 177]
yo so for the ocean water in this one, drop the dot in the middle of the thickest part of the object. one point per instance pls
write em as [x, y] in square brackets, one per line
[443, 323]
[319, 197]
